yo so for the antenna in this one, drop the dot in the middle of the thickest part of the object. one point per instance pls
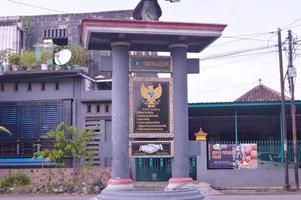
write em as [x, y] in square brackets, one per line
[62, 57]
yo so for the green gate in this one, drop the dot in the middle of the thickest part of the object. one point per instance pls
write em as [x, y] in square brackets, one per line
[159, 169]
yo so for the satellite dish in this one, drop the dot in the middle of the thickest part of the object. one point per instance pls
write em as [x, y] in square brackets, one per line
[62, 57]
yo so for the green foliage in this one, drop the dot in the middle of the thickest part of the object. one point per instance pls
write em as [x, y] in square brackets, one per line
[8, 181]
[18, 179]
[79, 56]
[60, 149]
[46, 56]
[28, 60]
[14, 59]
[4, 55]
[22, 179]
[69, 142]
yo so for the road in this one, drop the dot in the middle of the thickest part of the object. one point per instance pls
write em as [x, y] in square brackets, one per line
[257, 197]
[214, 197]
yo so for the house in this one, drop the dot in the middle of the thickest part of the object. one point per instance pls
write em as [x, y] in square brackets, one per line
[256, 115]
[35, 102]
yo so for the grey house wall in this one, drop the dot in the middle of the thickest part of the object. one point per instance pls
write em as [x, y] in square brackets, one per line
[71, 22]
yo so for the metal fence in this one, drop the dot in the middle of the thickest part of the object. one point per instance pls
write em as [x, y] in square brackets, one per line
[269, 150]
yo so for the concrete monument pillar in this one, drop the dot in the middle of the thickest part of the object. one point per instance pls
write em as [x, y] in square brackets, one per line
[120, 117]
[180, 163]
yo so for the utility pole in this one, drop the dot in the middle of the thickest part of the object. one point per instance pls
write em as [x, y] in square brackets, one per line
[291, 77]
[286, 178]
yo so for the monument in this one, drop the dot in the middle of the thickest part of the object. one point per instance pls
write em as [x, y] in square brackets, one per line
[149, 108]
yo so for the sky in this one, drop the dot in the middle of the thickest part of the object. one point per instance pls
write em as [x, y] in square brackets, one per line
[225, 72]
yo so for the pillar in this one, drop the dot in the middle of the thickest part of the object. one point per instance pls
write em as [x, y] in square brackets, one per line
[180, 163]
[120, 115]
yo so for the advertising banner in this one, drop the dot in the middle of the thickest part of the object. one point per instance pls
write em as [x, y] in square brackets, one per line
[232, 156]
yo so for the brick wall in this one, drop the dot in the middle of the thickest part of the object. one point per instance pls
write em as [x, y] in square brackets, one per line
[40, 176]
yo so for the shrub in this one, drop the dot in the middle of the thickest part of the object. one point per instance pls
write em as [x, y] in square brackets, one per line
[8, 181]
[28, 60]
[14, 59]
[18, 179]
[21, 179]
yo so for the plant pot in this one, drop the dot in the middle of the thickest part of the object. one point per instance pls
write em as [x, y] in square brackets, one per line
[44, 66]
[58, 67]
[15, 67]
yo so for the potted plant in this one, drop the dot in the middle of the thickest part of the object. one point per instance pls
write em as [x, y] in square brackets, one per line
[79, 57]
[46, 58]
[14, 61]
[28, 61]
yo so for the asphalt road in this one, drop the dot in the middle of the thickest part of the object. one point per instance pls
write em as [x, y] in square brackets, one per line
[258, 197]
[215, 197]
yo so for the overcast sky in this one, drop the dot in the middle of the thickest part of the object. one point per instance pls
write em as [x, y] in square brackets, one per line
[251, 24]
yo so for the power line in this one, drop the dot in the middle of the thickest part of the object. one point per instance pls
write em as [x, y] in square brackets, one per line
[35, 6]
[249, 34]
[225, 88]
[235, 53]
[295, 21]
[241, 60]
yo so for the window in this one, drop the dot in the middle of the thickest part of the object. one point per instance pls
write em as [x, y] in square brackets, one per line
[107, 108]
[88, 108]
[29, 88]
[98, 108]
[43, 86]
[16, 87]
[57, 86]
[104, 85]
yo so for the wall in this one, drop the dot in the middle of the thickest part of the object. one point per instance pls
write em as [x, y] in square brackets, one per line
[40, 176]
[264, 176]
[71, 22]
[65, 91]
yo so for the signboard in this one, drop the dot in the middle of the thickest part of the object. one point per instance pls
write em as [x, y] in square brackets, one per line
[151, 107]
[150, 64]
[151, 148]
[232, 156]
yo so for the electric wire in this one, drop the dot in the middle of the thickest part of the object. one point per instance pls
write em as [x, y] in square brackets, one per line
[35, 6]
[234, 53]
[290, 24]
[240, 60]
[225, 88]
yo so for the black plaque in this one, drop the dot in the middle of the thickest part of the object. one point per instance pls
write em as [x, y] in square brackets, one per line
[151, 149]
[151, 107]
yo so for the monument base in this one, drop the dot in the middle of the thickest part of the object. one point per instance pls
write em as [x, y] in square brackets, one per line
[180, 184]
[120, 184]
[184, 194]
[177, 189]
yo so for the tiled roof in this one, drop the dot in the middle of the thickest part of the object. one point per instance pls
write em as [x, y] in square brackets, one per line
[260, 93]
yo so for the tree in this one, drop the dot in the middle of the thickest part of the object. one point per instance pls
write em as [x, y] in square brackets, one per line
[69, 142]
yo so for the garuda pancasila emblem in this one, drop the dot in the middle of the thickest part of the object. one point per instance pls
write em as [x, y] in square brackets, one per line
[151, 95]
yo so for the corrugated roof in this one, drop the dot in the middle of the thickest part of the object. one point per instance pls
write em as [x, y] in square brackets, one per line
[260, 93]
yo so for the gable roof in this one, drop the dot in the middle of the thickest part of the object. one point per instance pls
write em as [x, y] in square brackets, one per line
[260, 93]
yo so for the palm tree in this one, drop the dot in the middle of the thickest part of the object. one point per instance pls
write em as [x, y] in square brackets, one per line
[2, 128]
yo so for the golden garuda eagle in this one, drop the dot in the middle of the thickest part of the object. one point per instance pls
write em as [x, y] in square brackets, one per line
[151, 95]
